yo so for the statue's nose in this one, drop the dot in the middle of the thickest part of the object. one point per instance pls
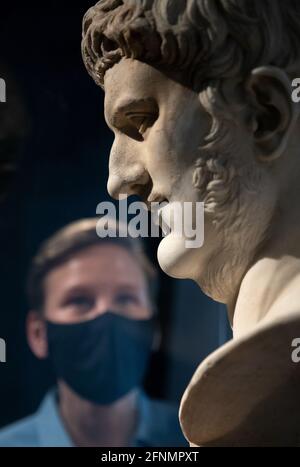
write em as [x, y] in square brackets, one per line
[127, 172]
[133, 180]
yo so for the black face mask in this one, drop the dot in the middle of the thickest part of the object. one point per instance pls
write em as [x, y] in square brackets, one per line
[102, 359]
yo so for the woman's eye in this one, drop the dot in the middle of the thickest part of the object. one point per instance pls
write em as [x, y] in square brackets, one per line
[80, 302]
[127, 299]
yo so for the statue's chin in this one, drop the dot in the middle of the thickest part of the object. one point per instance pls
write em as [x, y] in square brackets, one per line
[175, 259]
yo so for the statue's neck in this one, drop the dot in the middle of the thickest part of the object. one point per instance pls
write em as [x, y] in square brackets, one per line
[270, 288]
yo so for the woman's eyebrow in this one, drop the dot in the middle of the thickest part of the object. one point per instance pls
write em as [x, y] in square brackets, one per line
[76, 289]
[127, 287]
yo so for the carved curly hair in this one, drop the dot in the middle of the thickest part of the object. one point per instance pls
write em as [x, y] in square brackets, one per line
[203, 40]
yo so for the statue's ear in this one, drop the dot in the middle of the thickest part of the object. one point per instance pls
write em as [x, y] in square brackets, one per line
[274, 114]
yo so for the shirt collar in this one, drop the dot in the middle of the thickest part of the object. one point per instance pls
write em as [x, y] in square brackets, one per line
[157, 425]
[49, 423]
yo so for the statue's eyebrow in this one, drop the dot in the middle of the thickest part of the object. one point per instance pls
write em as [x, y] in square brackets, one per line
[116, 110]
[117, 113]
[127, 105]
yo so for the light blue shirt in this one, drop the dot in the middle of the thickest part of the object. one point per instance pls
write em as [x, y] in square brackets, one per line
[158, 426]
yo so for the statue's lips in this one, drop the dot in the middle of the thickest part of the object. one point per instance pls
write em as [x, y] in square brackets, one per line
[159, 218]
[168, 217]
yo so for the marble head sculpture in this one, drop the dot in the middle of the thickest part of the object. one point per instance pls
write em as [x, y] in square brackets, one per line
[198, 95]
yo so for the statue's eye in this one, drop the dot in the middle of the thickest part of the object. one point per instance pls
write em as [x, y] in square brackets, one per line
[133, 117]
[141, 121]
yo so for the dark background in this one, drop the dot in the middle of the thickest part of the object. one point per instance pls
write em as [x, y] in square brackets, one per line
[62, 177]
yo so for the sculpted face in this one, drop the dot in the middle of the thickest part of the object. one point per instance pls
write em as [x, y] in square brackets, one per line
[162, 152]
[158, 127]
[217, 137]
